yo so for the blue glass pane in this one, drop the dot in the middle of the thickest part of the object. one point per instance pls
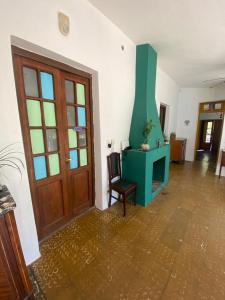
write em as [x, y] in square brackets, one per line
[40, 167]
[81, 117]
[47, 86]
[74, 159]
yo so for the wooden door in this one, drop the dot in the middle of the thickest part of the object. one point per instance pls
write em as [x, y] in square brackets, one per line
[77, 130]
[216, 137]
[58, 192]
[162, 116]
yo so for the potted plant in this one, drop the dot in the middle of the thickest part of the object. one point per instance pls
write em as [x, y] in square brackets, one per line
[8, 158]
[146, 133]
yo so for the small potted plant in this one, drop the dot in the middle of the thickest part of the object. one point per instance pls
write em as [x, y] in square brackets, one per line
[8, 158]
[146, 133]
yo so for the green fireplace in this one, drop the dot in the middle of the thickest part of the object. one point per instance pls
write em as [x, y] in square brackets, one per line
[149, 169]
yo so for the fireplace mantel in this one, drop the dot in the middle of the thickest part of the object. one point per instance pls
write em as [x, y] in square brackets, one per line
[138, 166]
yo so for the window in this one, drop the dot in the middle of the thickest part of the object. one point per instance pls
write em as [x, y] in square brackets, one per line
[208, 132]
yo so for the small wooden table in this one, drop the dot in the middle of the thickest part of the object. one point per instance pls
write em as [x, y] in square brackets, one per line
[222, 164]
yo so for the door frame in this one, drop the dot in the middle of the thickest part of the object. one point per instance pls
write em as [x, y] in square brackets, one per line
[198, 131]
[164, 106]
[65, 68]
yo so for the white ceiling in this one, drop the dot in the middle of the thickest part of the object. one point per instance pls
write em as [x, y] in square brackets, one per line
[189, 35]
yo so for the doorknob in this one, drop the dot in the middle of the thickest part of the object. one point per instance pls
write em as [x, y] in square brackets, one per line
[68, 160]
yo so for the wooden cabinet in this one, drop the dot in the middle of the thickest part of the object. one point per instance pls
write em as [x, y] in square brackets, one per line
[14, 278]
[177, 150]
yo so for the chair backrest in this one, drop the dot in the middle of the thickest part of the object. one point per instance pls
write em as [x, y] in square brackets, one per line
[114, 167]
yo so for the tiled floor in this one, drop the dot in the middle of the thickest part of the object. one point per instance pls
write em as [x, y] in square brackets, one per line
[173, 249]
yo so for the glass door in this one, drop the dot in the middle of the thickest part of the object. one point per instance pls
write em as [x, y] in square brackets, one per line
[79, 137]
[55, 114]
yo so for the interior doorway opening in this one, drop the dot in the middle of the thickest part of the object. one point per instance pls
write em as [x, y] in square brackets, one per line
[209, 140]
[209, 132]
[162, 116]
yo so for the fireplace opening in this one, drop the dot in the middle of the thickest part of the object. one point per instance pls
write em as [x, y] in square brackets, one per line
[158, 175]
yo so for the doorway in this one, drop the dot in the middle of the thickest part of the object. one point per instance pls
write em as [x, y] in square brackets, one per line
[209, 140]
[162, 116]
[209, 132]
[56, 119]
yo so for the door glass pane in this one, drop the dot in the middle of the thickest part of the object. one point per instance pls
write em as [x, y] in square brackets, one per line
[71, 115]
[80, 94]
[49, 112]
[51, 140]
[34, 113]
[81, 117]
[40, 167]
[83, 157]
[69, 91]
[74, 159]
[208, 138]
[30, 82]
[72, 136]
[54, 164]
[47, 86]
[37, 141]
[82, 138]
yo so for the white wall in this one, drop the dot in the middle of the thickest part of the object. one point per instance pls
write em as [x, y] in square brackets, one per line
[188, 105]
[94, 42]
[93, 45]
[167, 92]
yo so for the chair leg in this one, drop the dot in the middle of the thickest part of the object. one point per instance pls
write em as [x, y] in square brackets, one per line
[110, 197]
[124, 205]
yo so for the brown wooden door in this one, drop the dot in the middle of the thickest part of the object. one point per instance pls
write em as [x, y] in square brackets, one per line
[58, 184]
[77, 130]
[216, 137]
[162, 116]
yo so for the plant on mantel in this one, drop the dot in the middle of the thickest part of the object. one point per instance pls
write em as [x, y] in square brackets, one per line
[9, 159]
[147, 133]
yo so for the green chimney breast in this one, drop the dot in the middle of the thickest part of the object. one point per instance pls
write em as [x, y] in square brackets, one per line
[145, 104]
[149, 169]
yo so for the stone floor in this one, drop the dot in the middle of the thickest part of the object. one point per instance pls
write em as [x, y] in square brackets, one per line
[173, 249]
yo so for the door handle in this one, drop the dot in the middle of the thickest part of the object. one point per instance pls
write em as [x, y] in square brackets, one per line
[68, 160]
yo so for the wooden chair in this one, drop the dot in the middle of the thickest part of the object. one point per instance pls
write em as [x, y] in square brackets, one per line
[116, 183]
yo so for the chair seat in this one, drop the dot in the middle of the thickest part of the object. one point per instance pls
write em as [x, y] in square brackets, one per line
[123, 186]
